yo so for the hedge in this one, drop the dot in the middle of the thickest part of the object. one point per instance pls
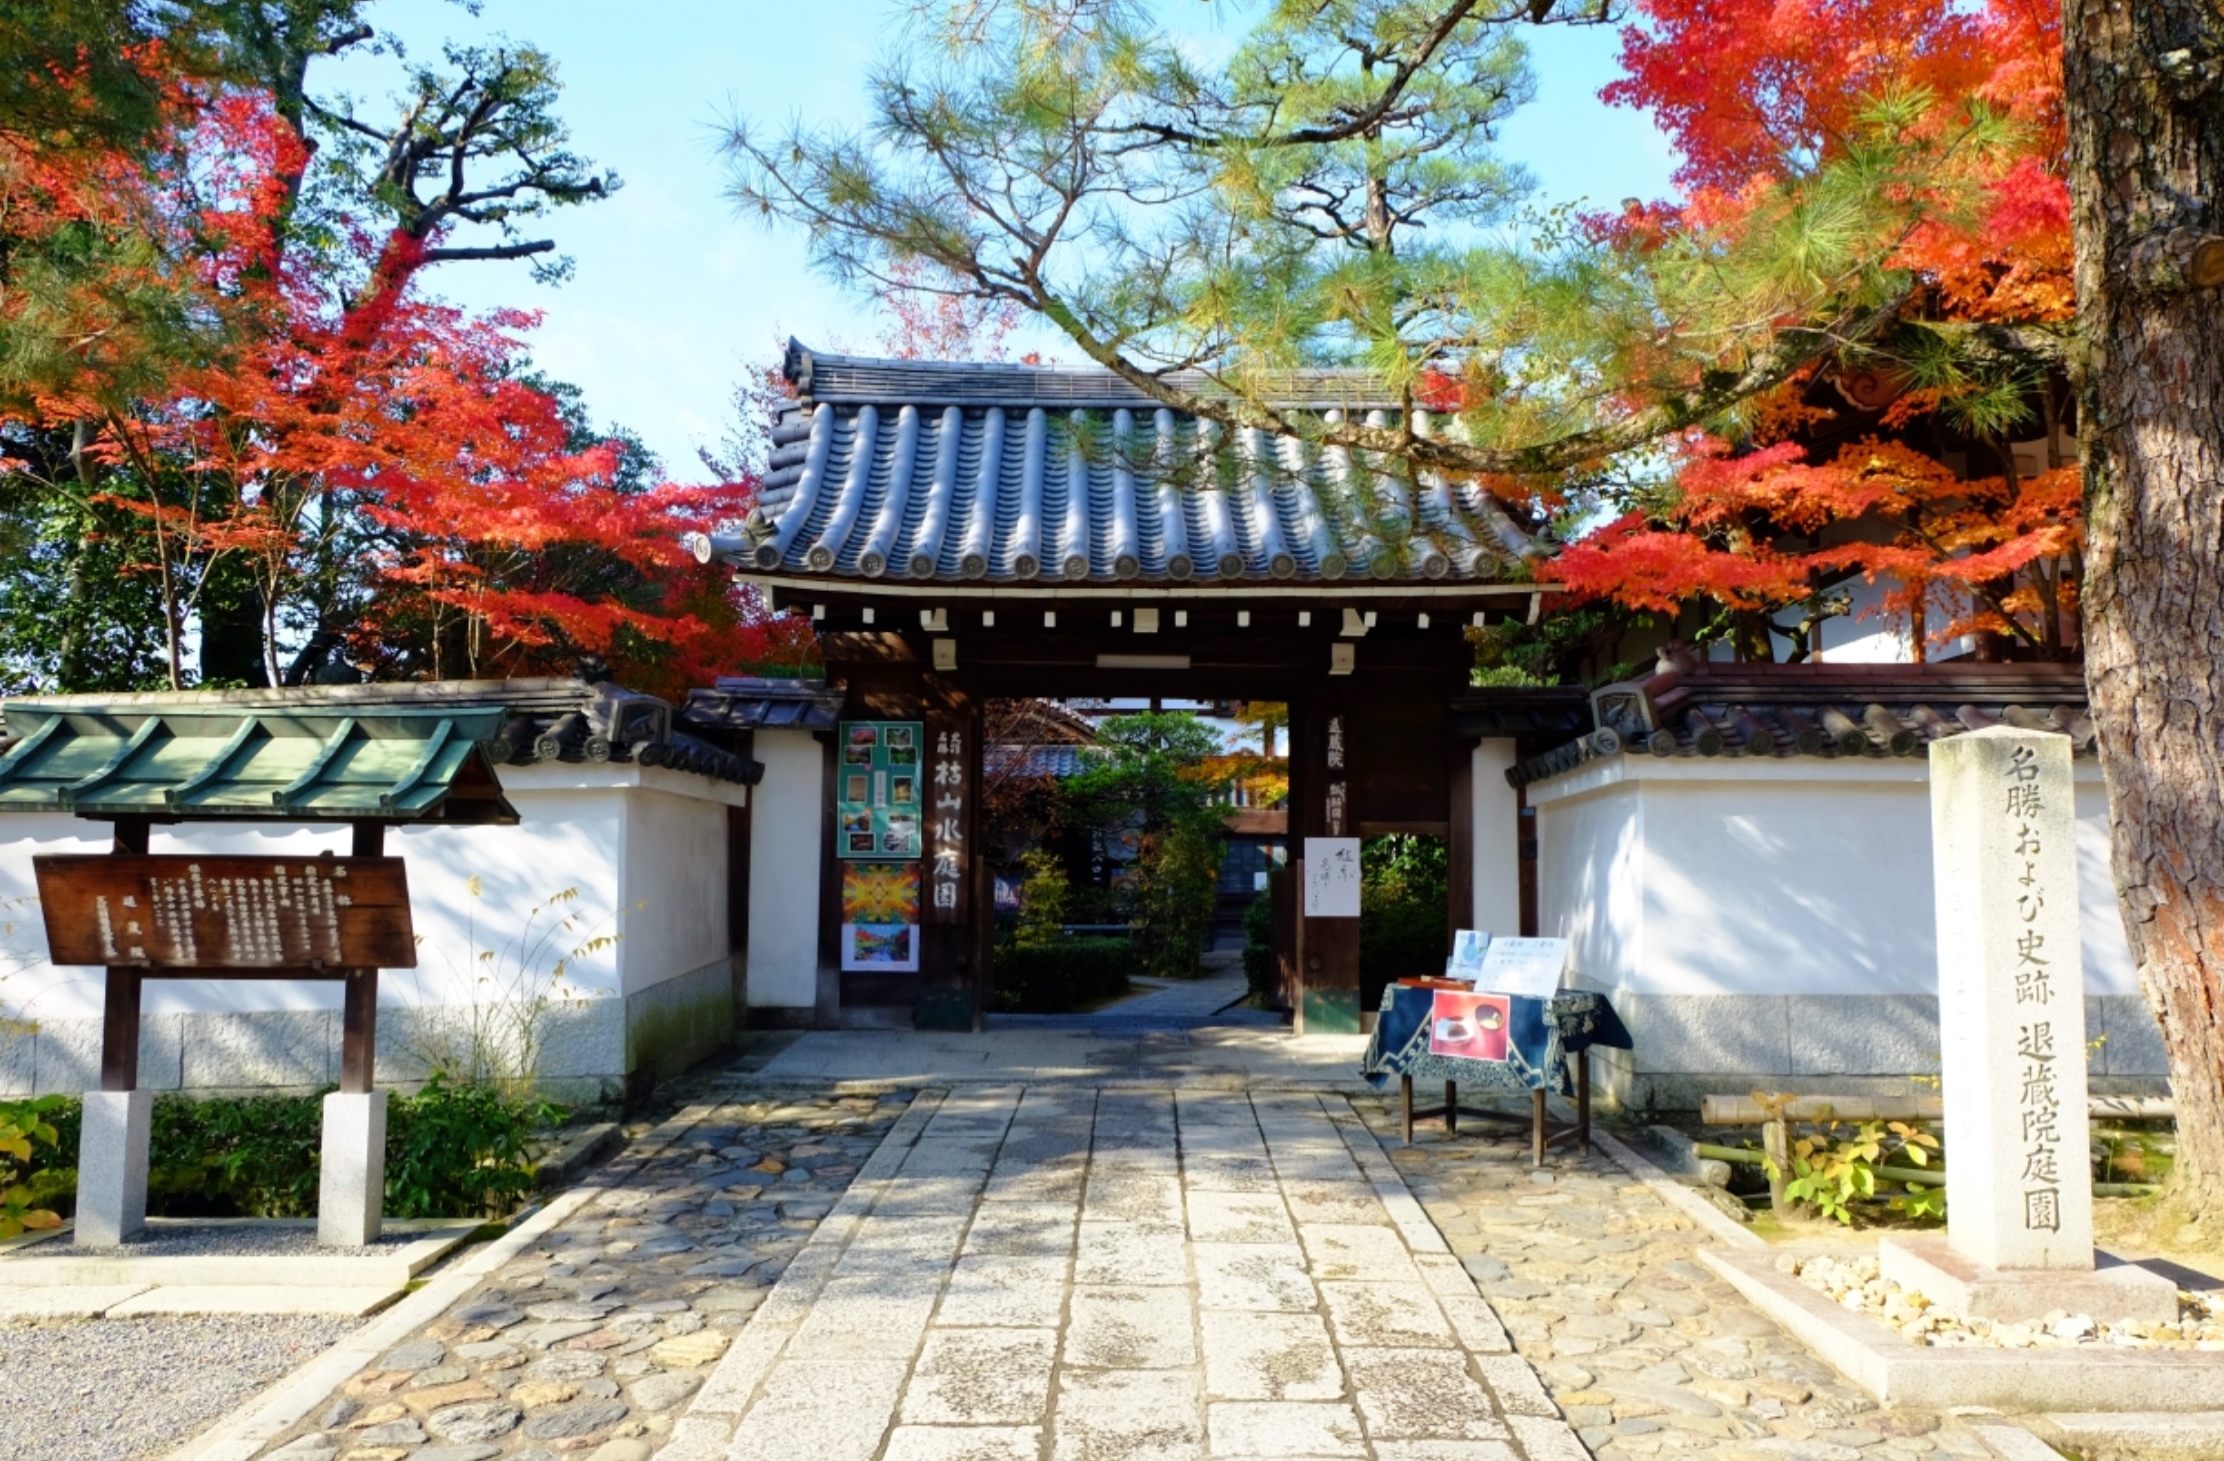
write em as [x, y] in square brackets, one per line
[451, 1151]
[1062, 976]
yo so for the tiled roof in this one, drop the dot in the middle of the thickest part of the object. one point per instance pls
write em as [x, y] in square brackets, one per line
[949, 473]
[1056, 762]
[1743, 712]
[513, 722]
[746, 703]
[186, 762]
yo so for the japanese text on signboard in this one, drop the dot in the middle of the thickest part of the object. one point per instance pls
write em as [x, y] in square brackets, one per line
[2039, 1101]
[946, 824]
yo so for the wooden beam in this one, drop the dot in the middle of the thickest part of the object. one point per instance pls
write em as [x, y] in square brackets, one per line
[358, 1031]
[119, 1032]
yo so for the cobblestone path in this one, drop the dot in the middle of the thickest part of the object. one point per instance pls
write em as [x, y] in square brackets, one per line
[591, 1341]
[1059, 1273]
[1646, 1351]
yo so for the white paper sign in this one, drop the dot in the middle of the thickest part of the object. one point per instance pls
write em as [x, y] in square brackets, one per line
[1468, 950]
[1530, 966]
[1331, 877]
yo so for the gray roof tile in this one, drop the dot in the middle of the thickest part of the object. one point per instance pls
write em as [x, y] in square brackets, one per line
[1004, 474]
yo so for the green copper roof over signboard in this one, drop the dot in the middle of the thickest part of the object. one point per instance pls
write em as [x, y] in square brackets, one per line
[181, 762]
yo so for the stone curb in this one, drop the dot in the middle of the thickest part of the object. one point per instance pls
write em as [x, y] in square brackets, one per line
[2134, 1436]
[733, 1383]
[389, 1271]
[575, 1156]
[2010, 1444]
[1709, 1218]
[238, 1436]
[2018, 1380]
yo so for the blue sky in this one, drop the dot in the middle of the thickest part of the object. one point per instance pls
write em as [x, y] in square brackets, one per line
[674, 296]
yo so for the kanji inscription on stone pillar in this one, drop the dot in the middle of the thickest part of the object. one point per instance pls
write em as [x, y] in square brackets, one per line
[2011, 997]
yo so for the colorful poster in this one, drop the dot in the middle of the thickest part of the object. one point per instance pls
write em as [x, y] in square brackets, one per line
[880, 917]
[878, 810]
[1470, 1026]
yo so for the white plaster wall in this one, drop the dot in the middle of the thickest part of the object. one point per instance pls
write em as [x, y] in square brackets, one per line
[1496, 897]
[674, 889]
[784, 852]
[1784, 877]
[1591, 882]
[607, 835]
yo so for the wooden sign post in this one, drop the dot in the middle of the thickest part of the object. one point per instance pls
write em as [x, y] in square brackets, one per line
[192, 917]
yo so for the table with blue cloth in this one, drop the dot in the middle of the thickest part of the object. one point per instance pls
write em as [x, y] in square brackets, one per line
[1544, 1046]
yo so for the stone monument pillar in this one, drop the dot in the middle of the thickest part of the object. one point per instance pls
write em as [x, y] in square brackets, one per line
[351, 1182]
[112, 1167]
[2011, 1013]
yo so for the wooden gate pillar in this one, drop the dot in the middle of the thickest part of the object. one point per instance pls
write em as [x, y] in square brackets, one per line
[1322, 804]
[950, 969]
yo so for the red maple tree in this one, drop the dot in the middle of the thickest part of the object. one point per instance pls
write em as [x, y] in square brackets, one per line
[1895, 461]
[339, 436]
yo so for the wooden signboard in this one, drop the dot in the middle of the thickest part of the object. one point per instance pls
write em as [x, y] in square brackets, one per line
[292, 916]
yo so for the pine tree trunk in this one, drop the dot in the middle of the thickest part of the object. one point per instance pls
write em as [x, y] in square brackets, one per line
[2145, 103]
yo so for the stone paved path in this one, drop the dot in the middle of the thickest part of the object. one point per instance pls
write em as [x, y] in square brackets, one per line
[1062, 1273]
[1647, 1352]
[591, 1341]
[1173, 1004]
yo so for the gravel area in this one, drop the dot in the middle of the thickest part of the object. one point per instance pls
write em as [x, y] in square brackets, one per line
[1645, 1351]
[124, 1389]
[1859, 1285]
[188, 1239]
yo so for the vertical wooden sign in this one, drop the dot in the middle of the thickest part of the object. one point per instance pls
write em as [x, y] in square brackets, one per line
[949, 809]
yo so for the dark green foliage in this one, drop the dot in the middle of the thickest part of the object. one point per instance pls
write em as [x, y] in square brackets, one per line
[1149, 767]
[1137, 836]
[249, 1156]
[460, 1151]
[1564, 647]
[1259, 971]
[1177, 890]
[1061, 977]
[1403, 888]
[451, 1151]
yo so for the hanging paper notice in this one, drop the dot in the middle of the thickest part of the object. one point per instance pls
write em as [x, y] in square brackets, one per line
[1331, 877]
[880, 917]
[881, 792]
[1530, 966]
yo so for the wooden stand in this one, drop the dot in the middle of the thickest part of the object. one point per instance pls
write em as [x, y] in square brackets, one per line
[1541, 1135]
[133, 912]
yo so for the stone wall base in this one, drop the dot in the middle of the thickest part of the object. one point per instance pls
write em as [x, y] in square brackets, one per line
[1692, 1045]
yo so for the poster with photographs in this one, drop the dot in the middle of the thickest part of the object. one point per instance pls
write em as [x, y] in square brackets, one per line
[881, 790]
[880, 917]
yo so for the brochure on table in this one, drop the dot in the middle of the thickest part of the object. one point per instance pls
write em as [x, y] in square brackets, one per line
[1524, 966]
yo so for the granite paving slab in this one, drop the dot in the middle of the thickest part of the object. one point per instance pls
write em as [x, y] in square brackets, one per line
[1130, 1310]
[1642, 1349]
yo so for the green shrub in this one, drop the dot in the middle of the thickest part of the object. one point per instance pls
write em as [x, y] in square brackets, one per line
[26, 1136]
[234, 1156]
[1177, 892]
[1043, 896]
[460, 1151]
[1404, 883]
[451, 1151]
[1259, 970]
[1398, 940]
[1062, 976]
